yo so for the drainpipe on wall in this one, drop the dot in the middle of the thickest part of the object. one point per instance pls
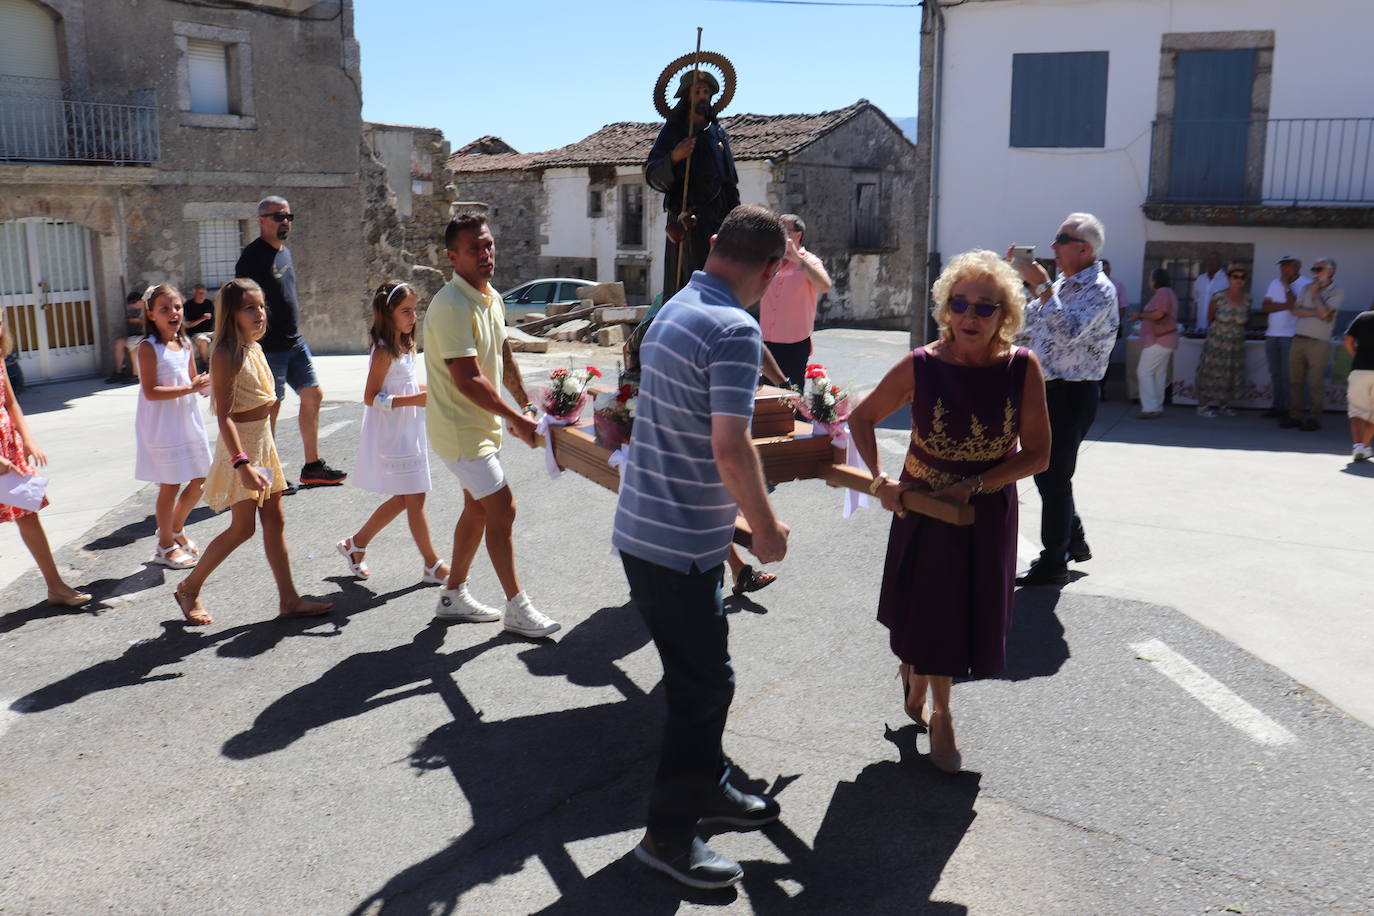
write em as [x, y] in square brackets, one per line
[933, 265]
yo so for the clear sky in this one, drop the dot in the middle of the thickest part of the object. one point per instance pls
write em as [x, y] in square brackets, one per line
[542, 74]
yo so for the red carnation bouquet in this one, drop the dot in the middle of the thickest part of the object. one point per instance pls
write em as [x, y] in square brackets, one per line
[613, 415]
[566, 394]
[818, 399]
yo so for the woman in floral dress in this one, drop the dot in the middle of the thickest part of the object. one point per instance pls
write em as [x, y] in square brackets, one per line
[1221, 370]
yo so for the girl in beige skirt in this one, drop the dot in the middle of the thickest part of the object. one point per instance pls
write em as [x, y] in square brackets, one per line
[246, 476]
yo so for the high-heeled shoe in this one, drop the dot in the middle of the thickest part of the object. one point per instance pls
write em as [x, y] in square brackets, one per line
[918, 716]
[75, 600]
[949, 761]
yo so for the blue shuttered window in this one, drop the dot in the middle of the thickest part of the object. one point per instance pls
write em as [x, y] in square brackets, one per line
[1059, 99]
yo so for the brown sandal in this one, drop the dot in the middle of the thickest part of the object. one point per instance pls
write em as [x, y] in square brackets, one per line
[195, 616]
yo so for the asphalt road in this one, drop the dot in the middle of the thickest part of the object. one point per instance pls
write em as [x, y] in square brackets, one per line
[375, 762]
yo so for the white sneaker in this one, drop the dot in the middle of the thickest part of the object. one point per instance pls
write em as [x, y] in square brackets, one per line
[458, 604]
[1360, 452]
[522, 617]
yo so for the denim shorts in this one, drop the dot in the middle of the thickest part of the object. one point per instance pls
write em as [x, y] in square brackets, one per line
[293, 367]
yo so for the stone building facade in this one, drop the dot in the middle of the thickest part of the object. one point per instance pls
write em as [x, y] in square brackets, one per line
[584, 210]
[137, 141]
[407, 204]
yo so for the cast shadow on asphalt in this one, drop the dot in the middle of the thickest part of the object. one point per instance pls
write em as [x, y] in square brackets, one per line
[1359, 469]
[1036, 646]
[179, 642]
[145, 527]
[101, 591]
[536, 784]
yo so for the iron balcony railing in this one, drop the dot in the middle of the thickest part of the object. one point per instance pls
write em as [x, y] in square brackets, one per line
[1271, 162]
[45, 126]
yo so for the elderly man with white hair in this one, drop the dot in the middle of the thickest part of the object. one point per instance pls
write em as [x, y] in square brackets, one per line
[1071, 324]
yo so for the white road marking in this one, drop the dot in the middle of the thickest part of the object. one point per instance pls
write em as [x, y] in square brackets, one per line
[8, 716]
[1213, 694]
[333, 428]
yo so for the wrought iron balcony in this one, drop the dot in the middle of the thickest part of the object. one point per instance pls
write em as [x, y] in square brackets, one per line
[40, 123]
[1274, 162]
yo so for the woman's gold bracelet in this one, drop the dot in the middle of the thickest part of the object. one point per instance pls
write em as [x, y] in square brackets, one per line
[878, 481]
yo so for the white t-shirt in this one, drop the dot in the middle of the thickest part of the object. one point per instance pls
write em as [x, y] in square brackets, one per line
[1204, 288]
[1281, 324]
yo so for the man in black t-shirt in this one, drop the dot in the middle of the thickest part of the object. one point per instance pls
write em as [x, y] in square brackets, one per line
[1359, 391]
[198, 320]
[267, 261]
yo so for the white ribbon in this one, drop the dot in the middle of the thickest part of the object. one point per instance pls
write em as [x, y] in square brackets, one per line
[618, 457]
[545, 429]
[840, 438]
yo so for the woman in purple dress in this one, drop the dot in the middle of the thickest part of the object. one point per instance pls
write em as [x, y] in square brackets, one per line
[946, 593]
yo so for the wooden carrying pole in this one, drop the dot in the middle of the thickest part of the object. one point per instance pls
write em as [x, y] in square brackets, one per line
[576, 450]
[687, 171]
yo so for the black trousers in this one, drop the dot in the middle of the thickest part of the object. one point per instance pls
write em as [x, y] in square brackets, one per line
[687, 622]
[1072, 408]
[791, 358]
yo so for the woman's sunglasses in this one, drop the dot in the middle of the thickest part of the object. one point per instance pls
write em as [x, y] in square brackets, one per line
[1238, 275]
[959, 305]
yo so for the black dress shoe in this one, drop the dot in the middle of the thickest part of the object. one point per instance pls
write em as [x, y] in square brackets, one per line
[733, 808]
[1080, 552]
[693, 864]
[1287, 422]
[1040, 574]
[1310, 425]
[1273, 413]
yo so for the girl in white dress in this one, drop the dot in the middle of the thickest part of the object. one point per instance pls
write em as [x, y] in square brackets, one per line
[393, 450]
[173, 451]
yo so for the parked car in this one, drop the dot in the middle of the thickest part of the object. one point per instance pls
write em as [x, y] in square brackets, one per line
[536, 295]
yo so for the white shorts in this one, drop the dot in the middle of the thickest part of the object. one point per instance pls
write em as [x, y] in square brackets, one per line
[479, 476]
[1359, 394]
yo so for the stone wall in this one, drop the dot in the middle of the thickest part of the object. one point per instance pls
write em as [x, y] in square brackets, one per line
[295, 133]
[873, 286]
[513, 200]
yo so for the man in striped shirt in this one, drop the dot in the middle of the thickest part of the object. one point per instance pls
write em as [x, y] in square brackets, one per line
[692, 468]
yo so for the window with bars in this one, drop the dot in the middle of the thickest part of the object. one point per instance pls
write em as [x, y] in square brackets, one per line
[632, 215]
[221, 241]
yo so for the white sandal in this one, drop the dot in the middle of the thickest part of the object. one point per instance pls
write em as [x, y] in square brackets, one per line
[163, 557]
[185, 543]
[359, 567]
[431, 576]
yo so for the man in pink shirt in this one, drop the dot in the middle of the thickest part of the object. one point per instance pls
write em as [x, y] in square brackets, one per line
[787, 311]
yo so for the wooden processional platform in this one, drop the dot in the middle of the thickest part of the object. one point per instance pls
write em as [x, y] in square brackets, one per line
[786, 448]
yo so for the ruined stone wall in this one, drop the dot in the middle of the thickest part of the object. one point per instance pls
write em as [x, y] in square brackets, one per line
[873, 285]
[514, 204]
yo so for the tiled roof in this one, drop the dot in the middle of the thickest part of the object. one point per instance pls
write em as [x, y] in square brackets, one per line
[628, 142]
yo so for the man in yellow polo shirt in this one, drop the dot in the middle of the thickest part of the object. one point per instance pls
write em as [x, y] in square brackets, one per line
[465, 352]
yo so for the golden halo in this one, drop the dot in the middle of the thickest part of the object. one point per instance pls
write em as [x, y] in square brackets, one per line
[708, 60]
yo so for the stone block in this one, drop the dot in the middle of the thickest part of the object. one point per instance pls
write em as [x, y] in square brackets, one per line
[559, 308]
[521, 342]
[612, 336]
[603, 293]
[569, 330]
[615, 314]
[528, 316]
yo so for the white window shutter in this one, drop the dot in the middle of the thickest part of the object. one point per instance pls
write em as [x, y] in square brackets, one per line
[28, 45]
[209, 69]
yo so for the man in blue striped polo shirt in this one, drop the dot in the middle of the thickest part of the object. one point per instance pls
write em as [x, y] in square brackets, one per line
[692, 468]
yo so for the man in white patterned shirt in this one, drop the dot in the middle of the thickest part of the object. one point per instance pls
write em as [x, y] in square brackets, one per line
[1071, 325]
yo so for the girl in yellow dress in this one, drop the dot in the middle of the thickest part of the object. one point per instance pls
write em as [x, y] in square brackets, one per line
[246, 476]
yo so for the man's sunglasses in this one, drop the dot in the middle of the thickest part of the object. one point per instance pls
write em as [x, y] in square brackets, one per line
[1238, 275]
[1064, 238]
[281, 217]
[959, 305]
[1319, 268]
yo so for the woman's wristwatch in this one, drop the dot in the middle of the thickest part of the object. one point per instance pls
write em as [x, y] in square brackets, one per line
[530, 409]
[878, 481]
